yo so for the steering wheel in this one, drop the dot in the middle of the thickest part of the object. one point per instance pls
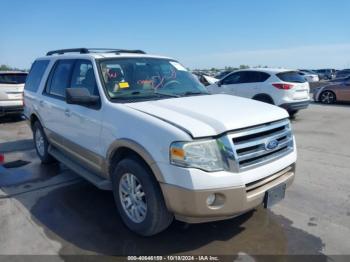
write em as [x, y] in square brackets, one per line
[171, 82]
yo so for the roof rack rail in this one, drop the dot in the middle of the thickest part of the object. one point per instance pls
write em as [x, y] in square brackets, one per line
[94, 50]
[128, 51]
[70, 50]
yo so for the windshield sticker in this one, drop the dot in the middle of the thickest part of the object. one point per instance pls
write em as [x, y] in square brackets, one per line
[178, 66]
[123, 85]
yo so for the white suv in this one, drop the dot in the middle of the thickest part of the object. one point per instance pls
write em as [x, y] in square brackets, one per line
[281, 87]
[11, 92]
[143, 126]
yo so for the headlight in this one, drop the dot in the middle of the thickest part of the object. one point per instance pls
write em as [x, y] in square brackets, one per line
[204, 155]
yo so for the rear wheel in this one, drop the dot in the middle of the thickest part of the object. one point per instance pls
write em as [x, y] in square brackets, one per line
[327, 97]
[41, 144]
[139, 199]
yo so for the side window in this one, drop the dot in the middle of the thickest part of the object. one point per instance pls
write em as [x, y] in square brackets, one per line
[234, 78]
[254, 77]
[263, 76]
[35, 75]
[83, 76]
[249, 77]
[60, 78]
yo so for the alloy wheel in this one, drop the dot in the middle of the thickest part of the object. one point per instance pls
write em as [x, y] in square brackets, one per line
[39, 142]
[133, 198]
[327, 97]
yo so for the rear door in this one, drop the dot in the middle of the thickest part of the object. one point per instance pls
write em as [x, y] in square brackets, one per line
[53, 105]
[246, 83]
[300, 87]
[251, 83]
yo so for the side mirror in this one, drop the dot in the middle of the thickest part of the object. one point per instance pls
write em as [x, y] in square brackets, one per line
[219, 83]
[81, 96]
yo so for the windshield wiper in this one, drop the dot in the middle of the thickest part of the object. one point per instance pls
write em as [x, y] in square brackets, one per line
[143, 95]
[166, 94]
[191, 93]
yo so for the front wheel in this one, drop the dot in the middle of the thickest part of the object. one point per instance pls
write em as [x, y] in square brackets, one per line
[139, 199]
[327, 97]
[292, 113]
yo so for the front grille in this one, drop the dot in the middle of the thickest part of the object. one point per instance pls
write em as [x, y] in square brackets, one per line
[260, 144]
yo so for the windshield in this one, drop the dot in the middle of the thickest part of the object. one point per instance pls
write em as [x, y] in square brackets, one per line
[147, 78]
[12, 78]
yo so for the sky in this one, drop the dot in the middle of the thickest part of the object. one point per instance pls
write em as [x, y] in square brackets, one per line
[200, 34]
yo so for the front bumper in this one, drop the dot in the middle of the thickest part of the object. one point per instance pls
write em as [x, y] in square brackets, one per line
[7, 110]
[295, 106]
[191, 205]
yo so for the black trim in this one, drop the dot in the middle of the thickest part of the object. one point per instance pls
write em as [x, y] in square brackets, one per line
[294, 106]
[4, 110]
[70, 50]
[91, 50]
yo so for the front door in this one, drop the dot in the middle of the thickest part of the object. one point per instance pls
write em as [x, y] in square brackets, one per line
[83, 123]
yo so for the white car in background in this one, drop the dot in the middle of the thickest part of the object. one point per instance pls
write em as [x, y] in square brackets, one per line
[309, 75]
[281, 87]
[11, 92]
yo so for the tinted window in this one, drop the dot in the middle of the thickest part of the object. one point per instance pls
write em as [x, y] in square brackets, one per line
[292, 76]
[254, 77]
[83, 76]
[60, 78]
[13, 78]
[35, 75]
[234, 78]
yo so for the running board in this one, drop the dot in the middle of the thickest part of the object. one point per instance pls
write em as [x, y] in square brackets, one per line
[99, 182]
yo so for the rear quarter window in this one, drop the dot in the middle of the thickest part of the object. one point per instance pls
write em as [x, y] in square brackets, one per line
[292, 76]
[35, 75]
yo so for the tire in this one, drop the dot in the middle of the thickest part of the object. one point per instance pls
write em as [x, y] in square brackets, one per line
[41, 144]
[327, 97]
[150, 215]
[292, 113]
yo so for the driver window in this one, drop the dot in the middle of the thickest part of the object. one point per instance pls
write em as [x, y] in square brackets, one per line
[84, 77]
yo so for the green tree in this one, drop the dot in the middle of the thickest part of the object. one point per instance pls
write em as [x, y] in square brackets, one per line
[4, 68]
[243, 67]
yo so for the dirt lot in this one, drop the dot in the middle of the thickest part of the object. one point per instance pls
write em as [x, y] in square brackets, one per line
[49, 210]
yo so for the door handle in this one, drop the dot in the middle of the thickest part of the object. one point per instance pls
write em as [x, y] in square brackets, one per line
[67, 112]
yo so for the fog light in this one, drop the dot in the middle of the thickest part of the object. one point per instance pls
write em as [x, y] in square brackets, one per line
[211, 199]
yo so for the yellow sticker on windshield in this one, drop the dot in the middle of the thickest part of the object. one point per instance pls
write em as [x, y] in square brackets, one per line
[123, 85]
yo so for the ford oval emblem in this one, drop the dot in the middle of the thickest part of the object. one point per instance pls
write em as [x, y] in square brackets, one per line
[272, 144]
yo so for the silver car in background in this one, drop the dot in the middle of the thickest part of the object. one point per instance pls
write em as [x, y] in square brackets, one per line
[11, 92]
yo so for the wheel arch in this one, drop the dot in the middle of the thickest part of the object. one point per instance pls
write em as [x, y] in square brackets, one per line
[122, 148]
[32, 119]
[265, 97]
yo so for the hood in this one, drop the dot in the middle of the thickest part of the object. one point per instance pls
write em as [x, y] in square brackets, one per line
[211, 115]
[210, 80]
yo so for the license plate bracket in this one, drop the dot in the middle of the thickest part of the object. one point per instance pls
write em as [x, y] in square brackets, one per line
[274, 195]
